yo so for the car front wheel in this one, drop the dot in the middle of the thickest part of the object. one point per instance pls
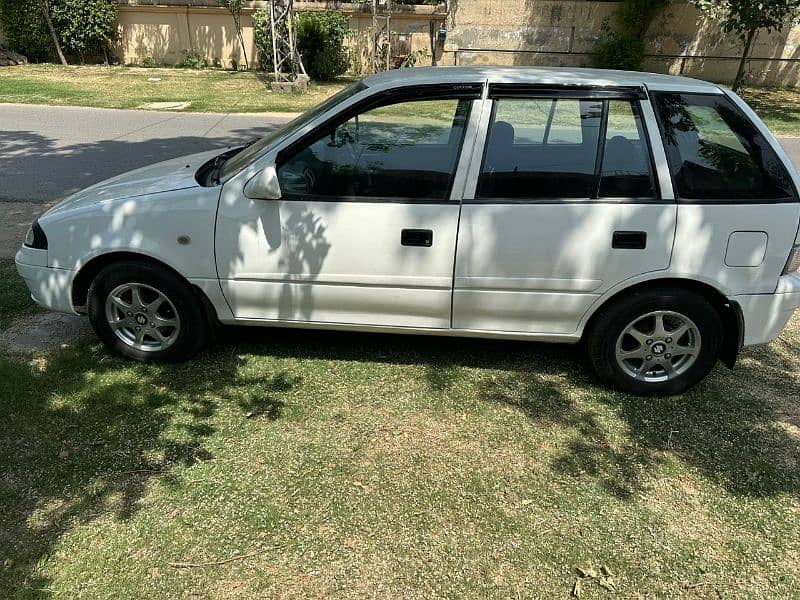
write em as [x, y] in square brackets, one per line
[656, 343]
[146, 313]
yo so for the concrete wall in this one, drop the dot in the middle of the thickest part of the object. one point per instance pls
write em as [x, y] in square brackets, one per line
[167, 31]
[564, 33]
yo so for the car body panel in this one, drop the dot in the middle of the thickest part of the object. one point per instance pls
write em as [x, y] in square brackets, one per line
[368, 281]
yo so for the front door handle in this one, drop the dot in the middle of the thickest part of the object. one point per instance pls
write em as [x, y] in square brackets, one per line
[629, 240]
[417, 237]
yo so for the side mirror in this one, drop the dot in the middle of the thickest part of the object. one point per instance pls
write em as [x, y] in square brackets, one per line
[264, 186]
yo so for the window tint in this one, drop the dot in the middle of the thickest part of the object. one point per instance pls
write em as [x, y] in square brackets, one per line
[716, 153]
[626, 169]
[406, 150]
[541, 149]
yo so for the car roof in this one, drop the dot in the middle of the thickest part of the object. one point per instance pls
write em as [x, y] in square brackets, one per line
[560, 76]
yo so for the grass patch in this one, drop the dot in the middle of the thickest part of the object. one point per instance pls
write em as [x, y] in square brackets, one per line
[302, 464]
[128, 87]
[778, 107]
[15, 299]
[215, 90]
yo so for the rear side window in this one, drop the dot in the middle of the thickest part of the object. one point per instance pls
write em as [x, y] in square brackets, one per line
[542, 149]
[716, 153]
[566, 148]
[626, 157]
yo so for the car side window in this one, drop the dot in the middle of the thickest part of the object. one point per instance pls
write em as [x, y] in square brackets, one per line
[541, 149]
[626, 170]
[716, 153]
[402, 150]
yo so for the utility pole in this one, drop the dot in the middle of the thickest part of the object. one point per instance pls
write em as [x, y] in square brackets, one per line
[287, 63]
[381, 35]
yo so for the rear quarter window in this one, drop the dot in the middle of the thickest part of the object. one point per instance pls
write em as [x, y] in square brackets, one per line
[716, 153]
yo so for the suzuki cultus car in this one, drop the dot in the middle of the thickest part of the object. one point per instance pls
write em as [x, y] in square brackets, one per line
[654, 218]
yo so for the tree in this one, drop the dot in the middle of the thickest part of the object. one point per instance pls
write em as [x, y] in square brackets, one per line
[45, 8]
[86, 26]
[746, 17]
[235, 8]
[623, 47]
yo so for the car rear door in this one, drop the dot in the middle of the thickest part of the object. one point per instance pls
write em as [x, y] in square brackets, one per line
[562, 206]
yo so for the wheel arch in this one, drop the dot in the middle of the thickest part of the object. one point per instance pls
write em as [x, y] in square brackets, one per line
[89, 271]
[729, 311]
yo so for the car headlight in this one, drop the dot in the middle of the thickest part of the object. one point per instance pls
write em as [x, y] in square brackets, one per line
[35, 238]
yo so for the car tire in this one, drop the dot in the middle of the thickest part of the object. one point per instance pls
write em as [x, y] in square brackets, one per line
[656, 342]
[147, 313]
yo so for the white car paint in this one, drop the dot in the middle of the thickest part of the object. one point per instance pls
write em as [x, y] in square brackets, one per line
[320, 265]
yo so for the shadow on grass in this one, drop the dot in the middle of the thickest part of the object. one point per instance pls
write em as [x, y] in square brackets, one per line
[86, 435]
[733, 429]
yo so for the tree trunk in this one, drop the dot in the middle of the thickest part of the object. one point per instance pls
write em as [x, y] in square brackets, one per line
[46, 12]
[748, 46]
[244, 52]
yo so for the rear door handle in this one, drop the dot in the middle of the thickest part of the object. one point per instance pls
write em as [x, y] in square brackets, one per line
[629, 240]
[417, 237]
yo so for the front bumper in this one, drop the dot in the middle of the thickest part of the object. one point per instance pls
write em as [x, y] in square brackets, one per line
[766, 315]
[50, 288]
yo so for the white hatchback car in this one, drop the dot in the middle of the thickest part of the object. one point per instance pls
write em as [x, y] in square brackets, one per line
[654, 217]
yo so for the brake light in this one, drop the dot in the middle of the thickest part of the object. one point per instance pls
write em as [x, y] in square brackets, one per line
[793, 264]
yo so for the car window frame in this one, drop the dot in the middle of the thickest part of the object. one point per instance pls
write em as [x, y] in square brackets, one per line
[637, 95]
[793, 198]
[467, 91]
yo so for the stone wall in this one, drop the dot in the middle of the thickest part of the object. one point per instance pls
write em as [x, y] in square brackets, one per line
[564, 33]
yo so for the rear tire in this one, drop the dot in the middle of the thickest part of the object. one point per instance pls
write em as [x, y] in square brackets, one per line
[147, 313]
[657, 342]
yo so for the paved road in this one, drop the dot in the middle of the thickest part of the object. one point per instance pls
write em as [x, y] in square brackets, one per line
[47, 153]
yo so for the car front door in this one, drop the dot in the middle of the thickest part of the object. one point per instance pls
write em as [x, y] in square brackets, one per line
[564, 205]
[365, 230]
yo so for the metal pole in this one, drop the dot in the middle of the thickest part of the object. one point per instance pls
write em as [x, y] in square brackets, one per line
[274, 44]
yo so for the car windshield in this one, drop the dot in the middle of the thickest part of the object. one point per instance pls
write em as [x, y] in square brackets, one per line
[237, 162]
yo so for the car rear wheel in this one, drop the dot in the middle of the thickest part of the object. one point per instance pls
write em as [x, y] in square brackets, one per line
[147, 314]
[656, 342]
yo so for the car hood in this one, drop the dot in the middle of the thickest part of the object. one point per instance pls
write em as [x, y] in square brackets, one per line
[170, 175]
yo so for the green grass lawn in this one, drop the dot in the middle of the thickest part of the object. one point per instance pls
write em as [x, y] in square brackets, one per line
[209, 90]
[299, 464]
[214, 90]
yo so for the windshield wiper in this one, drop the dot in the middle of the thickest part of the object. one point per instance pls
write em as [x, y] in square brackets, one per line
[216, 168]
[215, 171]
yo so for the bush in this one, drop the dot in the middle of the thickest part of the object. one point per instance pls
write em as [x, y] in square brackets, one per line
[320, 40]
[25, 30]
[262, 37]
[85, 26]
[619, 50]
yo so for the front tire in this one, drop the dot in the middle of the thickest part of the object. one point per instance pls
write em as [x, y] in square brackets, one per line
[146, 313]
[655, 343]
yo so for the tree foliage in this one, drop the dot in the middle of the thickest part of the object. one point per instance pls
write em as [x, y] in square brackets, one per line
[25, 30]
[624, 47]
[320, 40]
[746, 17]
[743, 16]
[81, 26]
[85, 26]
